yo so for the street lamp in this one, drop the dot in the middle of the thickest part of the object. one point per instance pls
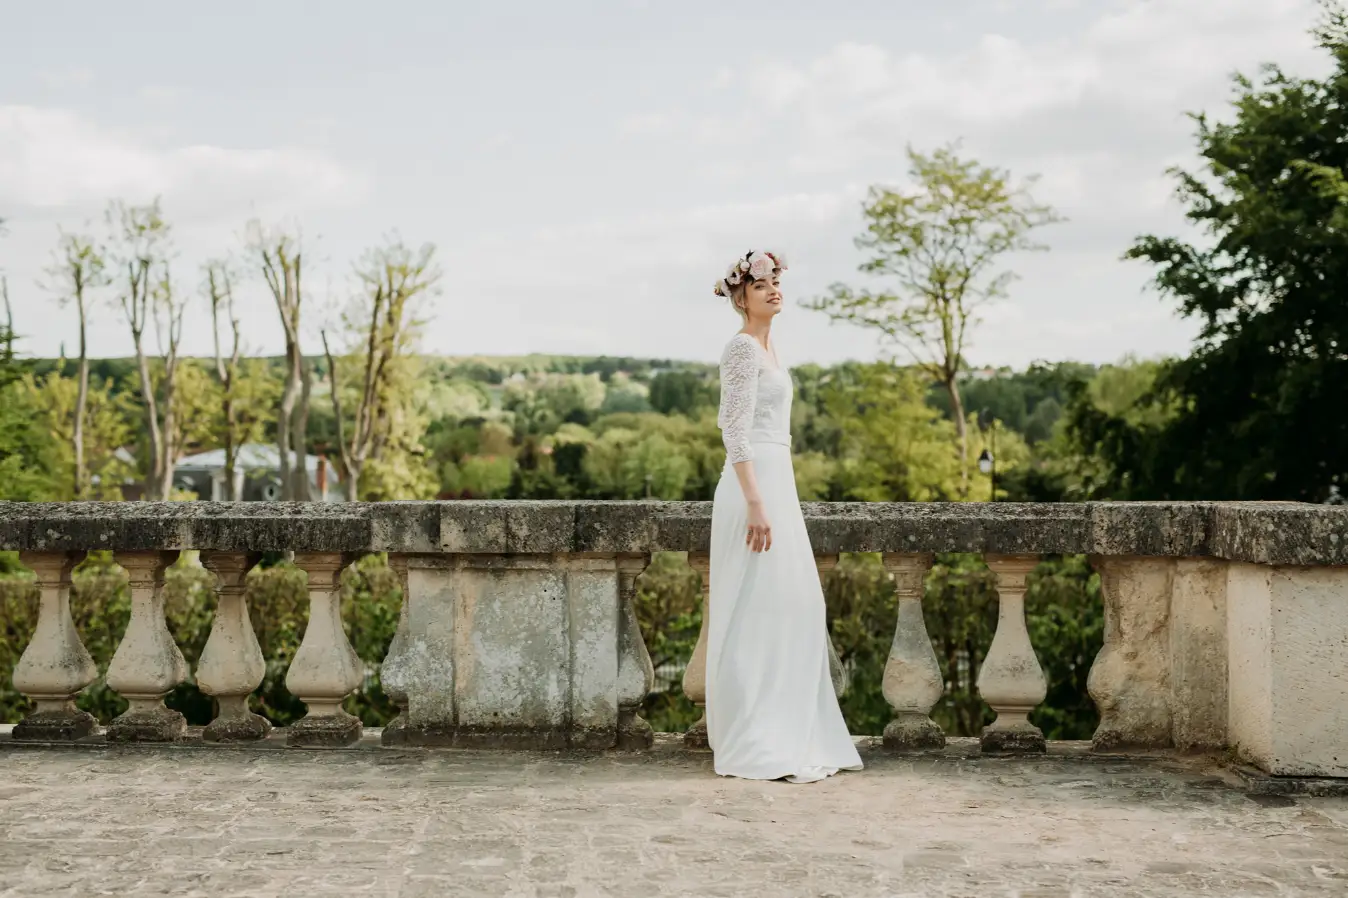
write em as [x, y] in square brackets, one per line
[987, 461]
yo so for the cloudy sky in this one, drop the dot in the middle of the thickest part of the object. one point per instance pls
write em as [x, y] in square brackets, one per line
[588, 169]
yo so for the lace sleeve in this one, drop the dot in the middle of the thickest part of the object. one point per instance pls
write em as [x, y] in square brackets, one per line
[739, 390]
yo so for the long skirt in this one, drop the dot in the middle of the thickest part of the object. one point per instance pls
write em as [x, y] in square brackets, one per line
[771, 708]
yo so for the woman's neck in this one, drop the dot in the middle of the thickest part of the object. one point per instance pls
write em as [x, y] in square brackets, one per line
[759, 330]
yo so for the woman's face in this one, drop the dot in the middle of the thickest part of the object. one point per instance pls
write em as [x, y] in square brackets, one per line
[763, 298]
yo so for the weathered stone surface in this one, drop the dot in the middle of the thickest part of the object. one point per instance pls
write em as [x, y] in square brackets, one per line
[913, 731]
[231, 665]
[912, 683]
[1198, 663]
[141, 822]
[55, 725]
[147, 663]
[55, 666]
[1024, 739]
[1264, 533]
[1150, 528]
[1280, 533]
[148, 724]
[513, 649]
[1130, 679]
[236, 723]
[1010, 679]
[335, 730]
[1288, 655]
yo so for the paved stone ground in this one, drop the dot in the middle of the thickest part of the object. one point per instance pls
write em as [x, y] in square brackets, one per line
[253, 822]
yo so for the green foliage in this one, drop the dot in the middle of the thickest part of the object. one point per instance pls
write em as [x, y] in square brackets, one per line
[682, 392]
[28, 453]
[1029, 402]
[110, 423]
[1251, 404]
[894, 446]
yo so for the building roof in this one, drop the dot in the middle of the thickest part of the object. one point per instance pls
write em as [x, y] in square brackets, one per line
[250, 457]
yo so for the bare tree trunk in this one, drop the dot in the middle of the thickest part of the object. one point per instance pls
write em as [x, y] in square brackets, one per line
[300, 438]
[154, 480]
[283, 422]
[169, 444]
[81, 401]
[221, 293]
[9, 319]
[350, 463]
[281, 266]
[961, 432]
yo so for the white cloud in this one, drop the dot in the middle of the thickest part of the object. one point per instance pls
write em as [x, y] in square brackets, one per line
[1137, 66]
[52, 159]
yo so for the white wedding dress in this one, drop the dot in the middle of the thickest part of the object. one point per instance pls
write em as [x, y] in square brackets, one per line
[771, 709]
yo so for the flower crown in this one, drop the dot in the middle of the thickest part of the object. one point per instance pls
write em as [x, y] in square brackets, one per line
[755, 265]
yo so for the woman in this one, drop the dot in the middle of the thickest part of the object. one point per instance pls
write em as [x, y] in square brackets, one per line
[771, 709]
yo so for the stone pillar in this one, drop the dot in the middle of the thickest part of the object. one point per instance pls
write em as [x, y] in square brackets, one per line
[1130, 679]
[695, 674]
[1287, 630]
[636, 676]
[231, 665]
[147, 663]
[1010, 679]
[1198, 663]
[326, 668]
[913, 683]
[826, 564]
[55, 666]
[393, 673]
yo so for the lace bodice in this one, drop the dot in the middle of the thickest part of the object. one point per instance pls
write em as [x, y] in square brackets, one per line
[755, 399]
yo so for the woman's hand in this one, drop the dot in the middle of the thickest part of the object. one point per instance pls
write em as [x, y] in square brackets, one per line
[759, 538]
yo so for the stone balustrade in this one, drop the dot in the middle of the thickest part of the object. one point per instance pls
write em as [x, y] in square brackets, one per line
[1226, 624]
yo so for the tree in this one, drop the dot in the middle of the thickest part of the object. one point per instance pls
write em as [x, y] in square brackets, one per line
[109, 424]
[942, 245]
[893, 446]
[149, 300]
[77, 268]
[279, 255]
[26, 449]
[220, 295]
[683, 392]
[7, 367]
[395, 280]
[1253, 412]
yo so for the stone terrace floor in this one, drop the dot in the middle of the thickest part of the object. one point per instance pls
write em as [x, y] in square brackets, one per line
[190, 820]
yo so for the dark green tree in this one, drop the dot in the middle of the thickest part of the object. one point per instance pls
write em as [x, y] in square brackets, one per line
[1257, 405]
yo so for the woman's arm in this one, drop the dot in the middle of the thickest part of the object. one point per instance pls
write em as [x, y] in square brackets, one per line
[739, 392]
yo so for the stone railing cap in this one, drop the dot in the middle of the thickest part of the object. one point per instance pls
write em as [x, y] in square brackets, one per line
[1258, 532]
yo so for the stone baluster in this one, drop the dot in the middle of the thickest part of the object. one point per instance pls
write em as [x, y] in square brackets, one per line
[147, 663]
[1130, 679]
[636, 676]
[695, 674]
[912, 683]
[826, 565]
[394, 672]
[326, 668]
[1010, 679]
[231, 665]
[55, 667]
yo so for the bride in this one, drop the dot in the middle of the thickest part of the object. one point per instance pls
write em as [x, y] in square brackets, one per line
[771, 709]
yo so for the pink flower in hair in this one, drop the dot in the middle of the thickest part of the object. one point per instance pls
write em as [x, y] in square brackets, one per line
[761, 266]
